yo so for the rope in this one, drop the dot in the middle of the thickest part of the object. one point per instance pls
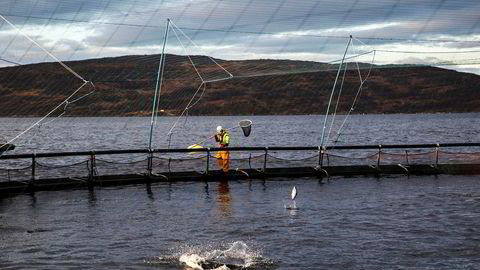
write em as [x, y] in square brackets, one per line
[410, 153]
[188, 56]
[202, 87]
[120, 162]
[186, 108]
[43, 49]
[60, 166]
[204, 53]
[16, 169]
[345, 157]
[66, 101]
[337, 102]
[300, 71]
[10, 62]
[333, 90]
[110, 20]
[245, 159]
[47, 115]
[199, 98]
[357, 95]
[140, 157]
[180, 159]
[300, 159]
[428, 52]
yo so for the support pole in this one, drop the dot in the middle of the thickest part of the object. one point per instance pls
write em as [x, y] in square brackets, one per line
[320, 156]
[150, 162]
[158, 86]
[333, 90]
[379, 156]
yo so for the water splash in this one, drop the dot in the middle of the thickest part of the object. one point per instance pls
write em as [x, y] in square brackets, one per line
[236, 255]
[193, 261]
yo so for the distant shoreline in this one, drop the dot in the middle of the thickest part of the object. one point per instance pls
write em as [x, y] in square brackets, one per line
[240, 115]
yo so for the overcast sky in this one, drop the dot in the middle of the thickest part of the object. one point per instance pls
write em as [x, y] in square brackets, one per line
[434, 32]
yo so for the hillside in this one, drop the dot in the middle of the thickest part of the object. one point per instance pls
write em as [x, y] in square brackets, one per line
[125, 85]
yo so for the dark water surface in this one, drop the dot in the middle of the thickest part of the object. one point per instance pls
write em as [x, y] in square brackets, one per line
[86, 134]
[428, 222]
[355, 223]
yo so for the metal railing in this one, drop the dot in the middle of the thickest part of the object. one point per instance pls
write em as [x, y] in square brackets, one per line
[324, 154]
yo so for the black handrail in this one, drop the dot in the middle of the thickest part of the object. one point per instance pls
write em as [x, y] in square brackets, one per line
[273, 148]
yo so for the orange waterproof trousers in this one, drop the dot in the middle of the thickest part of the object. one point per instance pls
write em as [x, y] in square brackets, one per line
[223, 160]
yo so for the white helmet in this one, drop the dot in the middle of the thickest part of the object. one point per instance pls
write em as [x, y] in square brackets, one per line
[219, 129]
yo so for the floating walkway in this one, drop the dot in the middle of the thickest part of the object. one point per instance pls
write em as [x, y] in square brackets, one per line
[53, 171]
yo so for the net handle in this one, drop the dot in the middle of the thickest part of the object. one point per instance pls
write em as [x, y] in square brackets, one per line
[248, 126]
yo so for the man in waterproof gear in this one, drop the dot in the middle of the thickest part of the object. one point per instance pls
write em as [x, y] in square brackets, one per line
[222, 138]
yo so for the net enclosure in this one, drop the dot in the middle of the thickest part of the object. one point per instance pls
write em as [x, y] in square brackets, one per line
[177, 161]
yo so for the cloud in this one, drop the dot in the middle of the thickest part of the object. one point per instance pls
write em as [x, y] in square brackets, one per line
[244, 29]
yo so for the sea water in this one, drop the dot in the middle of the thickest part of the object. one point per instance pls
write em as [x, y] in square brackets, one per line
[107, 133]
[416, 222]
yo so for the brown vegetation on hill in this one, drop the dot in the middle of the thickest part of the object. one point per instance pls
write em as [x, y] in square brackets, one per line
[124, 86]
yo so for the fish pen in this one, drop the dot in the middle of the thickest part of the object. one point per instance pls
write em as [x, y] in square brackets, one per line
[50, 171]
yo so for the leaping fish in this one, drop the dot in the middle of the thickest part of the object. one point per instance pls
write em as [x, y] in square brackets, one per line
[293, 205]
[294, 192]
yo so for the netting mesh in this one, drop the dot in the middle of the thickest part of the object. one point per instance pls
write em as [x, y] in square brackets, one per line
[409, 157]
[244, 161]
[48, 169]
[343, 158]
[16, 174]
[163, 164]
[450, 157]
[121, 164]
[166, 163]
[276, 160]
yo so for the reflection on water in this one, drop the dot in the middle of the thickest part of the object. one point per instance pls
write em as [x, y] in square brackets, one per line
[92, 198]
[207, 192]
[224, 198]
[33, 199]
[149, 191]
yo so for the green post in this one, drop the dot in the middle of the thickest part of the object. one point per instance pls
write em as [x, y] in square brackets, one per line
[158, 85]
